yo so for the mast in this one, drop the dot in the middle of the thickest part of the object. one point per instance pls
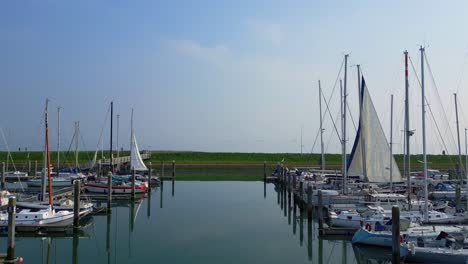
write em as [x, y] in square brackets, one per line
[426, 216]
[322, 163]
[43, 178]
[301, 139]
[391, 143]
[117, 137]
[110, 143]
[466, 162]
[408, 133]
[363, 139]
[58, 138]
[77, 128]
[49, 179]
[458, 137]
[345, 160]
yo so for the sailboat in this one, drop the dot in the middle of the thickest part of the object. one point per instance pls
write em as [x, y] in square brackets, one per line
[41, 216]
[121, 184]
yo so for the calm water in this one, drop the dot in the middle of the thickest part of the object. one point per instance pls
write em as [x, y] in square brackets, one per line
[196, 222]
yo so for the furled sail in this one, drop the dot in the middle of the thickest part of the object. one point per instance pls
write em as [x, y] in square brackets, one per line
[136, 162]
[371, 140]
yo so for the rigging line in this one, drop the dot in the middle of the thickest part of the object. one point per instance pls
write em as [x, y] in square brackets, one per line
[9, 156]
[331, 134]
[100, 141]
[333, 121]
[351, 115]
[460, 79]
[438, 97]
[430, 111]
[329, 99]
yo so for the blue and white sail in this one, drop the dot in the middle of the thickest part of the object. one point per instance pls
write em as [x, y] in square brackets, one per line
[370, 140]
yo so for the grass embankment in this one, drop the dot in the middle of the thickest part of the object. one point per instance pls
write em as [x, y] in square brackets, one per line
[223, 158]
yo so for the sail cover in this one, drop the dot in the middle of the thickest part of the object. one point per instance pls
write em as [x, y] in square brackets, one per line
[136, 162]
[371, 139]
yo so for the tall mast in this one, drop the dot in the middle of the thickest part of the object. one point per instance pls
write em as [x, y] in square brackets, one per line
[58, 139]
[408, 133]
[117, 139]
[391, 143]
[77, 128]
[110, 143]
[322, 163]
[49, 179]
[466, 162]
[458, 137]
[362, 138]
[301, 139]
[426, 216]
[345, 176]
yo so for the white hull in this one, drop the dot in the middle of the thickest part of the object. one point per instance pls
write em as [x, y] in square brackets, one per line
[102, 188]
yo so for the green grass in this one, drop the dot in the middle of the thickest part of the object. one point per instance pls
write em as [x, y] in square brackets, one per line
[224, 158]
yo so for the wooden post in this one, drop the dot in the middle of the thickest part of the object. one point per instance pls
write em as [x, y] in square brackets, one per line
[133, 184]
[309, 239]
[289, 181]
[301, 189]
[264, 189]
[264, 171]
[301, 225]
[396, 234]
[289, 208]
[76, 204]
[173, 169]
[162, 170]
[3, 175]
[294, 182]
[35, 168]
[150, 170]
[29, 167]
[320, 211]
[278, 196]
[309, 201]
[458, 197]
[11, 228]
[161, 195]
[294, 215]
[109, 191]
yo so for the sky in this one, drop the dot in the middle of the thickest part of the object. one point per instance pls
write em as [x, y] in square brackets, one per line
[228, 76]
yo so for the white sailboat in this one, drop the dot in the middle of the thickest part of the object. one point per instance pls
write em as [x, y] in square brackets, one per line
[41, 216]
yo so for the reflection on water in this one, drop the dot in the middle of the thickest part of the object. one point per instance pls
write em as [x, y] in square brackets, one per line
[205, 222]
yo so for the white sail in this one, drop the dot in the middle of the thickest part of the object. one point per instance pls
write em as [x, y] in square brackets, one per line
[376, 147]
[136, 163]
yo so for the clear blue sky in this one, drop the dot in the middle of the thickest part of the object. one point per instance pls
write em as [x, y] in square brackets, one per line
[219, 75]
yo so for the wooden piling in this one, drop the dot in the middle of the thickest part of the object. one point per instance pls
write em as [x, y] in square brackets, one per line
[29, 167]
[320, 211]
[458, 197]
[289, 208]
[309, 201]
[150, 170]
[162, 170]
[294, 215]
[301, 189]
[11, 229]
[294, 182]
[264, 171]
[395, 234]
[3, 175]
[76, 204]
[173, 169]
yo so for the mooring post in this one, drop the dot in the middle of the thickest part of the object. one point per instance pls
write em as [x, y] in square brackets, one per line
[11, 229]
[301, 190]
[133, 184]
[3, 175]
[173, 169]
[301, 225]
[162, 169]
[289, 208]
[109, 191]
[150, 170]
[35, 168]
[294, 215]
[264, 171]
[396, 234]
[29, 167]
[294, 182]
[289, 181]
[309, 201]
[320, 211]
[76, 204]
[458, 197]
